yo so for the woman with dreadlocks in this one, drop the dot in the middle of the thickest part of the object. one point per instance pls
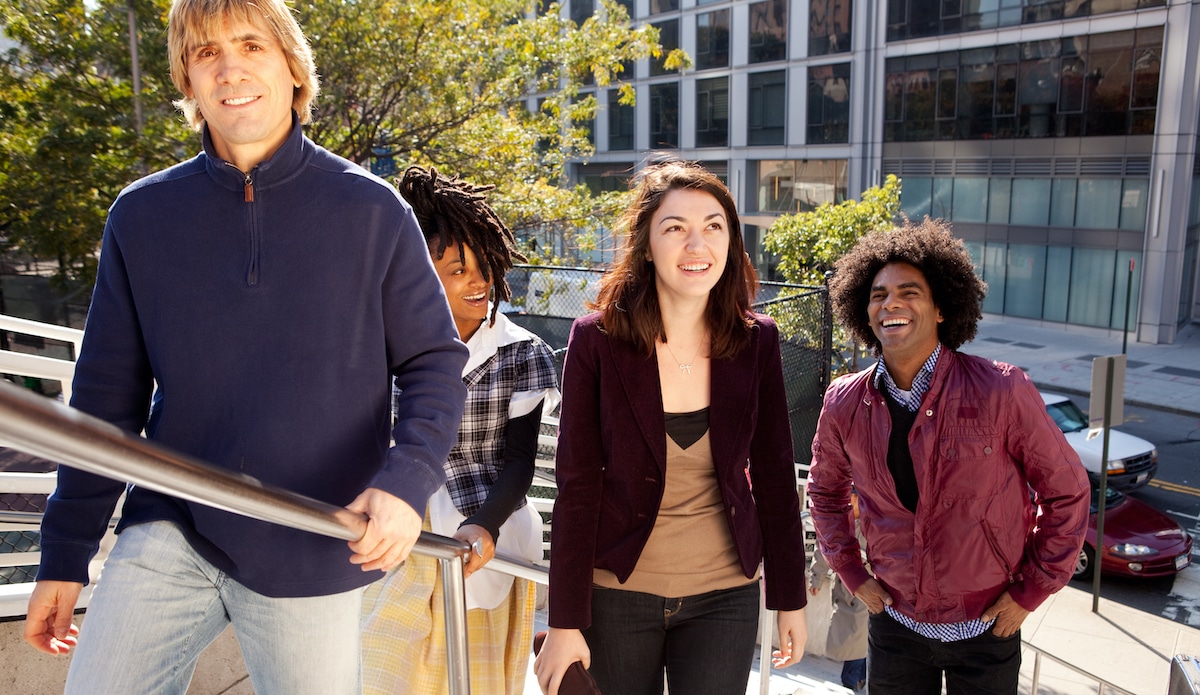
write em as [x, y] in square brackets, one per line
[510, 380]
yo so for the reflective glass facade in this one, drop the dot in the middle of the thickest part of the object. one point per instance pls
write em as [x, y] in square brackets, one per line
[910, 19]
[1105, 84]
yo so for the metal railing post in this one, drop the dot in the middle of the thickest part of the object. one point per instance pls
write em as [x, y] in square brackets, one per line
[455, 597]
[765, 635]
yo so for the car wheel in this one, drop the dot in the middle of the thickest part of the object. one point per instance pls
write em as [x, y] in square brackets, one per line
[1085, 563]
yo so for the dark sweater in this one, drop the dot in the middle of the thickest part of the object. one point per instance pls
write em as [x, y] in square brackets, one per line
[899, 456]
[270, 326]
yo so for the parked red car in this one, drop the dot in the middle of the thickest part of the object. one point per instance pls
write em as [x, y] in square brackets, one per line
[1139, 540]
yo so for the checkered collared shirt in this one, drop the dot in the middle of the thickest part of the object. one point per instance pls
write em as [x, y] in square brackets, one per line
[509, 372]
[911, 401]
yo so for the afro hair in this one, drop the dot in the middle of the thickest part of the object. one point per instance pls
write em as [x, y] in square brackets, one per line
[931, 248]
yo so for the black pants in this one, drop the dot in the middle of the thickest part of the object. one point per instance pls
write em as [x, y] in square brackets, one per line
[902, 662]
[704, 643]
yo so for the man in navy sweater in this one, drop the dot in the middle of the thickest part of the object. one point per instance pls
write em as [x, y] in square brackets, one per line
[249, 307]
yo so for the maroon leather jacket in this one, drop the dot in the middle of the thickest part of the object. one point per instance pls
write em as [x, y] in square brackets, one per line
[611, 465]
[982, 446]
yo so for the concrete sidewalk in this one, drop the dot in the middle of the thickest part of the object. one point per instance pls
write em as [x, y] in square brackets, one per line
[1126, 647]
[1059, 358]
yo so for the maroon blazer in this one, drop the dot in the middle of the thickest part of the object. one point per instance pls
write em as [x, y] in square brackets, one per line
[611, 464]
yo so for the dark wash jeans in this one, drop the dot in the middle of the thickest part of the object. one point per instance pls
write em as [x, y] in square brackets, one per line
[901, 662]
[705, 642]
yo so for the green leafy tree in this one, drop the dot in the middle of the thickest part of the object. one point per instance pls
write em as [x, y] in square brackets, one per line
[809, 243]
[447, 84]
[68, 137]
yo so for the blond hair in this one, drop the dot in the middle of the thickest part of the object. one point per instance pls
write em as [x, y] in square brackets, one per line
[193, 22]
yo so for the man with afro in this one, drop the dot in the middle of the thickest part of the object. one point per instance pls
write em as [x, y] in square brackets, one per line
[972, 504]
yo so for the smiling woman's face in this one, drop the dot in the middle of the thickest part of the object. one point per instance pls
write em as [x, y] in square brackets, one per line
[465, 287]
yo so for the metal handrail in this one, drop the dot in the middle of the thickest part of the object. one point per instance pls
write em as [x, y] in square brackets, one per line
[74, 336]
[51, 430]
[1038, 653]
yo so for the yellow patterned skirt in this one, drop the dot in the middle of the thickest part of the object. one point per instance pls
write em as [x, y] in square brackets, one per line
[404, 635]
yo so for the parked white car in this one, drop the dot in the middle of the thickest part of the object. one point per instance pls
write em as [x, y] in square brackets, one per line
[1132, 461]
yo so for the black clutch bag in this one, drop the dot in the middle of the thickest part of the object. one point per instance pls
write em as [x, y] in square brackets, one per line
[576, 681]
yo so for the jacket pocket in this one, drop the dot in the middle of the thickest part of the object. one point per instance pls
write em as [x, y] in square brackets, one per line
[996, 551]
[969, 467]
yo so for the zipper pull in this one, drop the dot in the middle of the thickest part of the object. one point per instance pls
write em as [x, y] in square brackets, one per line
[249, 188]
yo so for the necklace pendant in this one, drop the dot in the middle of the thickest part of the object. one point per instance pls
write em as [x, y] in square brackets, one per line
[686, 368]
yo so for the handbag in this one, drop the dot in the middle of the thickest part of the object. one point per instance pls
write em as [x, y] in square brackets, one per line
[576, 681]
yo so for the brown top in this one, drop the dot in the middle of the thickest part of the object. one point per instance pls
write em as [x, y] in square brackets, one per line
[691, 550]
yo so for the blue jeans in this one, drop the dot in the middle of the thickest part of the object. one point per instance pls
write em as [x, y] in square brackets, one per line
[902, 662]
[854, 671]
[705, 642]
[159, 604]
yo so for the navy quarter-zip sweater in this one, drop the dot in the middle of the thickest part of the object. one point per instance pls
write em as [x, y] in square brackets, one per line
[264, 311]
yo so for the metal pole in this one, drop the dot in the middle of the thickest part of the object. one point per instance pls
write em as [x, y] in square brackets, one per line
[136, 70]
[1128, 296]
[1101, 494]
[765, 634]
[455, 599]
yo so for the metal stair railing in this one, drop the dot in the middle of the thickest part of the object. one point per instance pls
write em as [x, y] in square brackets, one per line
[38, 366]
[1103, 686]
[46, 428]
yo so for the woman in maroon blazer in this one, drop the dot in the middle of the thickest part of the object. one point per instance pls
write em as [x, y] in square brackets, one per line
[675, 471]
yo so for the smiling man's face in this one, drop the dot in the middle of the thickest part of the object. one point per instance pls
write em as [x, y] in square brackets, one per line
[902, 313]
[243, 86]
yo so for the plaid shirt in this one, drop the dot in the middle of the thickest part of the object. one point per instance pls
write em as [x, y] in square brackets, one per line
[911, 401]
[509, 372]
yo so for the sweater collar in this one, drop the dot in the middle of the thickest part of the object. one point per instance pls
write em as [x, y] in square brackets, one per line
[280, 166]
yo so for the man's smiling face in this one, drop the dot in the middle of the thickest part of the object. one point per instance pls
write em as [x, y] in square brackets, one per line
[902, 313]
[243, 86]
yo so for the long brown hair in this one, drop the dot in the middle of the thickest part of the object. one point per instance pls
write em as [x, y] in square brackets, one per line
[628, 297]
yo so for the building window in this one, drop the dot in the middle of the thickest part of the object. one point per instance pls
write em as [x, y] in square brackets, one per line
[599, 178]
[664, 115]
[581, 10]
[768, 31]
[1095, 203]
[828, 27]
[668, 36]
[587, 127]
[1056, 283]
[767, 108]
[1104, 84]
[660, 6]
[910, 19]
[829, 104]
[712, 112]
[712, 40]
[790, 186]
[620, 122]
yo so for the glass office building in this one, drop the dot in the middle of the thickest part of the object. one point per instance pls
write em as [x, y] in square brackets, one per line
[1059, 137]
